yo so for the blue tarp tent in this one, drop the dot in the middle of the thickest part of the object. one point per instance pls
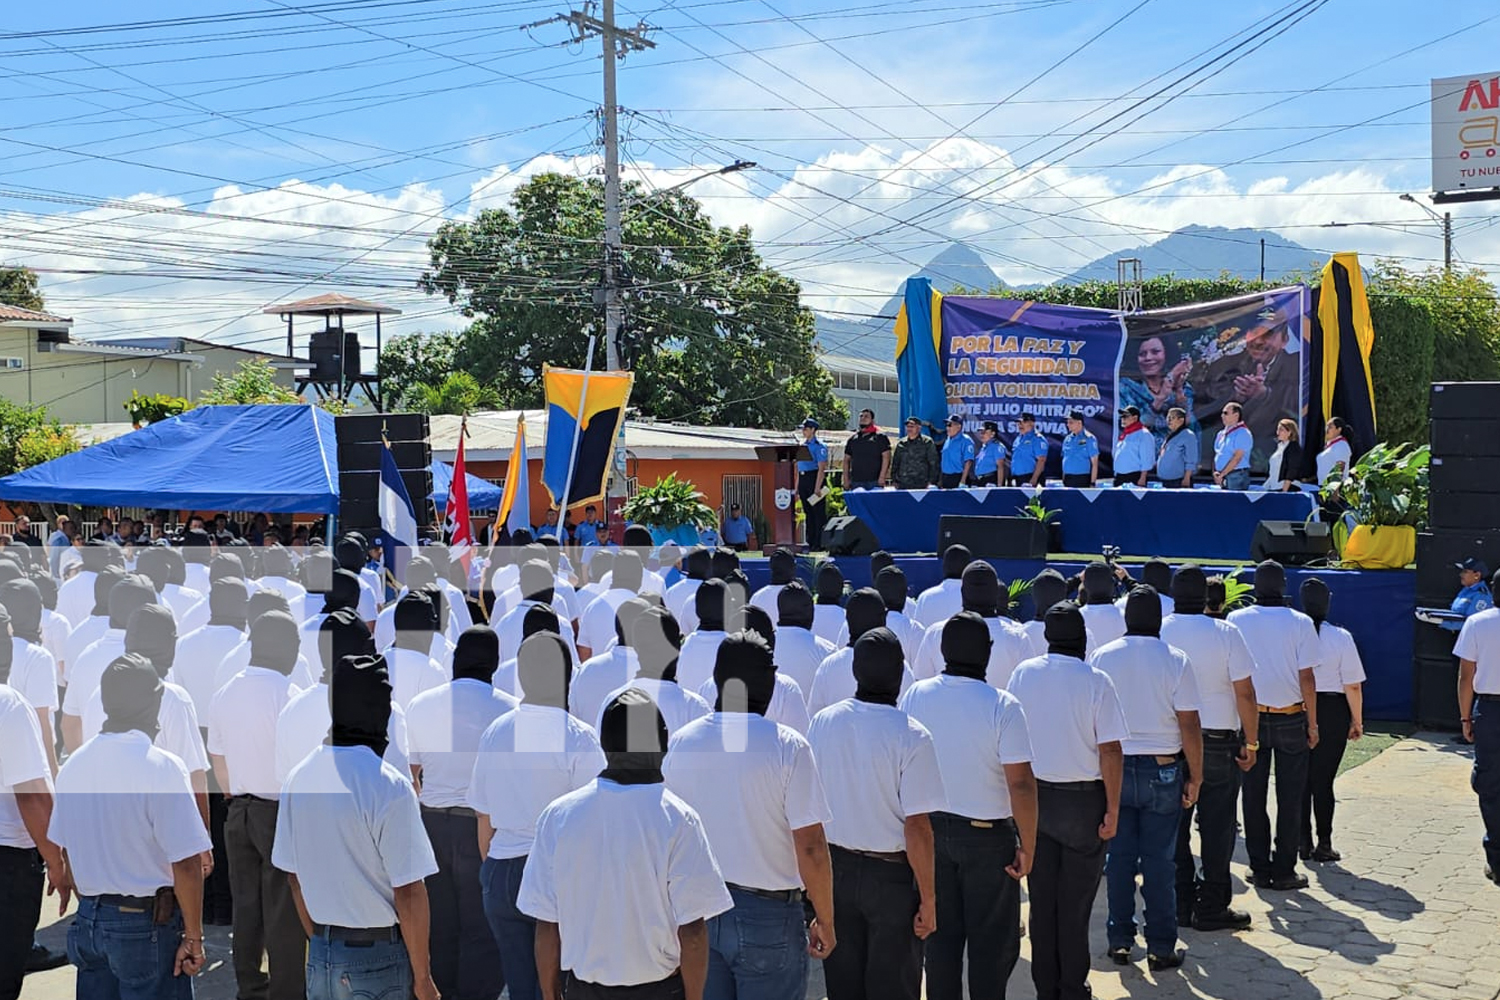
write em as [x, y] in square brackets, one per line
[276, 459]
[482, 495]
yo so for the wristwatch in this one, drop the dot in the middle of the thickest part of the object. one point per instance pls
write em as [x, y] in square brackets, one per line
[1253, 747]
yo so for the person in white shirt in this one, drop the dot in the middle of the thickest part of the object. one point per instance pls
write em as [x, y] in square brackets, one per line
[757, 787]
[695, 666]
[656, 641]
[155, 564]
[1103, 618]
[76, 594]
[879, 560]
[188, 604]
[1284, 645]
[1222, 668]
[55, 627]
[125, 815]
[834, 680]
[562, 583]
[939, 603]
[788, 704]
[1337, 456]
[1478, 652]
[409, 658]
[696, 563]
[198, 665]
[986, 833]
[1156, 574]
[623, 844]
[596, 627]
[1049, 588]
[349, 839]
[828, 614]
[1163, 761]
[798, 650]
[527, 758]
[339, 590]
[612, 668]
[445, 727]
[1076, 726]
[87, 632]
[638, 540]
[33, 672]
[451, 611]
[982, 594]
[242, 748]
[276, 572]
[125, 598]
[883, 785]
[1339, 678]
[536, 584]
[783, 565]
[352, 553]
[304, 674]
[890, 584]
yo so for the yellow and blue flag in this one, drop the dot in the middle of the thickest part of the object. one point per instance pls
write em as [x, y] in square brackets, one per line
[585, 411]
[919, 366]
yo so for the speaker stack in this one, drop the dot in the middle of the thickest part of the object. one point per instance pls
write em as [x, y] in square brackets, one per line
[1463, 520]
[360, 442]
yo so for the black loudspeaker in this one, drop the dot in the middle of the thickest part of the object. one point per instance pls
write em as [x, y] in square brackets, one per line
[994, 537]
[1465, 475]
[368, 427]
[364, 456]
[1438, 554]
[1472, 436]
[359, 497]
[1291, 543]
[361, 437]
[1464, 511]
[1434, 694]
[1464, 400]
[1430, 642]
[849, 536]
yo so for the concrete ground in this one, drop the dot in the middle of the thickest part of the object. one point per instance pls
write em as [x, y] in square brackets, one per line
[1407, 913]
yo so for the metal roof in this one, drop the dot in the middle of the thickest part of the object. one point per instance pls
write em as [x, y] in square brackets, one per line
[333, 302]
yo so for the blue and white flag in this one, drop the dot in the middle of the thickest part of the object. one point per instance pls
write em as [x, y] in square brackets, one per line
[398, 518]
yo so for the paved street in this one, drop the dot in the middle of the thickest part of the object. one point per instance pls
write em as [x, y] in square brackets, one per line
[1406, 914]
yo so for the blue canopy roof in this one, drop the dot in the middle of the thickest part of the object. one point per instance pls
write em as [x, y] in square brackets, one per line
[279, 459]
[482, 495]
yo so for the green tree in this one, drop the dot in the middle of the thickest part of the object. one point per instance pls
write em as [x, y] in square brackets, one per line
[458, 393]
[18, 287]
[254, 381]
[28, 436]
[713, 334]
[413, 358]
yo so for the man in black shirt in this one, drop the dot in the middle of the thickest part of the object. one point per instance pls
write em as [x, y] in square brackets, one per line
[867, 455]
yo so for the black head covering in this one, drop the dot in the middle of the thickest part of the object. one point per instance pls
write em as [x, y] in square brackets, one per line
[656, 639]
[343, 592]
[48, 587]
[1215, 596]
[756, 619]
[745, 674]
[131, 693]
[879, 560]
[830, 584]
[709, 602]
[966, 646]
[152, 632]
[601, 563]
[420, 572]
[890, 583]
[956, 559]
[633, 736]
[1270, 584]
[1066, 633]
[878, 667]
[275, 561]
[7, 649]
[1157, 573]
[1047, 589]
[153, 564]
[1189, 590]
[638, 537]
[228, 604]
[628, 572]
[263, 601]
[537, 581]
[864, 611]
[360, 703]
[275, 641]
[1143, 611]
[225, 564]
[625, 618]
[1316, 598]
[783, 567]
[128, 596]
[794, 606]
[414, 622]
[696, 564]
[341, 634]
[10, 567]
[1098, 583]
[197, 547]
[540, 618]
[24, 602]
[545, 669]
[980, 590]
[317, 572]
[104, 582]
[477, 654]
[722, 563]
[176, 566]
[551, 551]
[350, 553]
[95, 555]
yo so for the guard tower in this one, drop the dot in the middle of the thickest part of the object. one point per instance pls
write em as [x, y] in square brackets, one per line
[337, 366]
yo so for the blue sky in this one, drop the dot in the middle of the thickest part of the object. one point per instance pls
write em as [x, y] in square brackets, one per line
[325, 141]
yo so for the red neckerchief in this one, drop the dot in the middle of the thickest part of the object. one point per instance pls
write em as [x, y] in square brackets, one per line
[1334, 442]
[1126, 433]
[872, 429]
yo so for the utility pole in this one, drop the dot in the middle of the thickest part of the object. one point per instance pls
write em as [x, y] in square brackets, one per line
[1448, 242]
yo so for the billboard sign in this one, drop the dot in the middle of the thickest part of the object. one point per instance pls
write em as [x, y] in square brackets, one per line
[1466, 133]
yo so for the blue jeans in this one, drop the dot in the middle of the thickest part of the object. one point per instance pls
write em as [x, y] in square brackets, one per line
[338, 970]
[757, 950]
[1239, 479]
[515, 932]
[1146, 842]
[122, 955]
[1486, 779]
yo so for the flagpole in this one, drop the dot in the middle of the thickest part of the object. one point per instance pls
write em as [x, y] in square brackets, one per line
[583, 395]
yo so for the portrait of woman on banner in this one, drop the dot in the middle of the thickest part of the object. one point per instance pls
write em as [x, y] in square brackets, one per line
[1159, 383]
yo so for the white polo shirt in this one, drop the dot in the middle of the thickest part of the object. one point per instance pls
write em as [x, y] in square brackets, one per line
[976, 730]
[23, 758]
[177, 722]
[695, 660]
[1338, 662]
[753, 782]
[507, 676]
[909, 632]
[200, 655]
[412, 672]
[939, 603]
[511, 628]
[798, 653]
[678, 707]
[788, 703]
[679, 598]
[1479, 642]
[242, 729]
[1219, 658]
[81, 637]
[1036, 633]
[350, 830]
[1105, 623]
[1282, 642]
[609, 849]
[835, 681]
[125, 812]
[33, 673]
[444, 727]
[55, 630]
[1071, 709]
[304, 674]
[527, 758]
[596, 626]
[1154, 682]
[879, 767]
[1168, 606]
[606, 672]
[766, 597]
[186, 605]
[293, 591]
[307, 719]
[85, 674]
[75, 597]
[828, 619]
[1008, 647]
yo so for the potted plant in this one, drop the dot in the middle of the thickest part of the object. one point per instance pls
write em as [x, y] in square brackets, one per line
[673, 509]
[1035, 510]
[1384, 497]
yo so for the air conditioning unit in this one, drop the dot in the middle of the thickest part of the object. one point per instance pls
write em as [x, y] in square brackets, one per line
[14, 364]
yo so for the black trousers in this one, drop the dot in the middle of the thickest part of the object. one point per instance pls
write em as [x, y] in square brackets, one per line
[265, 915]
[1077, 480]
[816, 514]
[1323, 763]
[1064, 881]
[949, 480]
[465, 961]
[988, 479]
[1284, 739]
[218, 899]
[978, 908]
[1217, 811]
[879, 956]
[21, 883]
[670, 988]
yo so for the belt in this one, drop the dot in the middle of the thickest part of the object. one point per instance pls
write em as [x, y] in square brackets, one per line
[1221, 734]
[893, 857]
[1486, 697]
[143, 904]
[451, 811]
[1296, 709]
[978, 824]
[1072, 786]
[779, 895]
[358, 935]
[257, 798]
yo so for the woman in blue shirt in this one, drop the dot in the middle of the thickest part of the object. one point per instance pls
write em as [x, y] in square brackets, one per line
[1232, 449]
[989, 462]
[810, 473]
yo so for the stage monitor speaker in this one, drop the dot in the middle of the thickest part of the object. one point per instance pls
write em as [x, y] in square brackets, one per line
[1438, 554]
[1471, 511]
[1434, 694]
[1465, 474]
[994, 537]
[1464, 400]
[849, 536]
[1291, 543]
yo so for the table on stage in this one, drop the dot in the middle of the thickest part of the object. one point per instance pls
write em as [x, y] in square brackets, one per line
[1196, 524]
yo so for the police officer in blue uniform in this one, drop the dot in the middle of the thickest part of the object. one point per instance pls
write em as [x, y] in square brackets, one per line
[989, 461]
[1028, 453]
[957, 459]
[810, 473]
[1475, 595]
[1080, 454]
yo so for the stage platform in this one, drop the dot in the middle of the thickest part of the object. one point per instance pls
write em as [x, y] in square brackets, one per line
[1186, 524]
[1376, 606]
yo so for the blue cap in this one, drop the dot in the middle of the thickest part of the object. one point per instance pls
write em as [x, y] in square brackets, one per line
[810, 422]
[1475, 564]
[954, 418]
